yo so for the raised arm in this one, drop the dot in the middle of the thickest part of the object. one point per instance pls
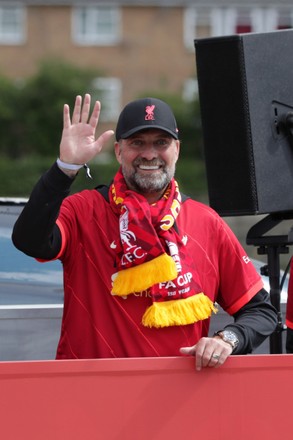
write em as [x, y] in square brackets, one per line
[35, 232]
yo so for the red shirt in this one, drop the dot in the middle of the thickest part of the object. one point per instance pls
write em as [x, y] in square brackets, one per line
[96, 324]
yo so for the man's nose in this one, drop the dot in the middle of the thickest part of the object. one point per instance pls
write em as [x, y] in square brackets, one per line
[149, 152]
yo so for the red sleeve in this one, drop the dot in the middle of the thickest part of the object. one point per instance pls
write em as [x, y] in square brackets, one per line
[239, 281]
[289, 310]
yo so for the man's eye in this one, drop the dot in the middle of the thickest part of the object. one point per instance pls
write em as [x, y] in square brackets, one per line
[162, 142]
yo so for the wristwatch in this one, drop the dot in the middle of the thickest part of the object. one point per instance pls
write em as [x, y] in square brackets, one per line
[229, 337]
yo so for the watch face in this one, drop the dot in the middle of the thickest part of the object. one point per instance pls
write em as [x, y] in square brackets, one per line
[229, 336]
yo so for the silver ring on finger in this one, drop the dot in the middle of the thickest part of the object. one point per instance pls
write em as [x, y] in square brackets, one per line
[216, 356]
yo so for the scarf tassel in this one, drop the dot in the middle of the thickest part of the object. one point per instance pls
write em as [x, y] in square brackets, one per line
[143, 276]
[178, 312]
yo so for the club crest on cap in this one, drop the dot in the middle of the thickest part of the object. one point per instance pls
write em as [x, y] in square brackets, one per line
[149, 110]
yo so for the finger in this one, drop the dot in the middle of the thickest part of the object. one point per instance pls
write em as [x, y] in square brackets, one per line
[199, 360]
[102, 140]
[214, 360]
[76, 110]
[86, 108]
[66, 116]
[187, 351]
[202, 356]
[94, 119]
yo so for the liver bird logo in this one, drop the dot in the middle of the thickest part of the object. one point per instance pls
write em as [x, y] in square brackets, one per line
[149, 110]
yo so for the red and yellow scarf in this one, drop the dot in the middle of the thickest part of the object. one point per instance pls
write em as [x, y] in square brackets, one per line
[151, 255]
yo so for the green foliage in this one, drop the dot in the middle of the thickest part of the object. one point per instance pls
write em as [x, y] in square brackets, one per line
[18, 176]
[31, 113]
[44, 95]
[31, 125]
[191, 176]
[9, 122]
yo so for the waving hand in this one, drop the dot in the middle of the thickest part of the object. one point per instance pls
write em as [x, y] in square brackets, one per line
[78, 143]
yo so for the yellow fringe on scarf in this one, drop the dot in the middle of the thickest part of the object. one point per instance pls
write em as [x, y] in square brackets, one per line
[178, 312]
[143, 276]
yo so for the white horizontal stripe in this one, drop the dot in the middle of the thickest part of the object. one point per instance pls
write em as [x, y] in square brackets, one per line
[30, 306]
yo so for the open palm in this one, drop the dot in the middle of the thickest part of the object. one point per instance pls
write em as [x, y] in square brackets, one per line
[78, 143]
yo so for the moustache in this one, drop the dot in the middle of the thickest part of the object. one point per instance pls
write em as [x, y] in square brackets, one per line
[150, 163]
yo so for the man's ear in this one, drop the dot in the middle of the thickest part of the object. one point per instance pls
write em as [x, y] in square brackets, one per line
[117, 149]
[178, 149]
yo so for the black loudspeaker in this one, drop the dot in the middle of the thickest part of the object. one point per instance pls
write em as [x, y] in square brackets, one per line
[246, 99]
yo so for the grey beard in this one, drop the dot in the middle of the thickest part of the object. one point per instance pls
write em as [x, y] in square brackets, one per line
[148, 184]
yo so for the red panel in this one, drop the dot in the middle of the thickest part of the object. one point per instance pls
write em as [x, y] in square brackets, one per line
[147, 399]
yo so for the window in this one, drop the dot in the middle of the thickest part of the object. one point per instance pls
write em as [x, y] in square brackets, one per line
[108, 92]
[229, 21]
[190, 90]
[285, 19]
[204, 22]
[223, 21]
[243, 23]
[12, 24]
[264, 20]
[196, 25]
[96, 25]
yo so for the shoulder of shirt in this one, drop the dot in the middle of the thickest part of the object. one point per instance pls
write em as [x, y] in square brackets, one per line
[104, 191]
[85, 195]
[195, 204]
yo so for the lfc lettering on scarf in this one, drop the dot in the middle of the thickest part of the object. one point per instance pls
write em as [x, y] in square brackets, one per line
[129, 257]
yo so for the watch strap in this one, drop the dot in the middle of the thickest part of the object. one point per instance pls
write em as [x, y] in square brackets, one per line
[228, 336]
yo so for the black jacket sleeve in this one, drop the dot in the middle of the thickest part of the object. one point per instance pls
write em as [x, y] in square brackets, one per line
[35, 232]
[254, 322]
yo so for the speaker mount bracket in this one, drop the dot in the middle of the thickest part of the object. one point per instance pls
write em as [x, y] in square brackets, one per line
[272, 246]
[282, 120]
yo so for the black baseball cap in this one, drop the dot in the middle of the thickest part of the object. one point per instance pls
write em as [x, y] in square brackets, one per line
[146, 113]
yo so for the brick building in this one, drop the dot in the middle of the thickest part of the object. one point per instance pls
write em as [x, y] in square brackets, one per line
[137, 45]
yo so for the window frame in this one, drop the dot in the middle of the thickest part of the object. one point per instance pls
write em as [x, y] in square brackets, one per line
[108, 90]
[9, 37]
[91, 17]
